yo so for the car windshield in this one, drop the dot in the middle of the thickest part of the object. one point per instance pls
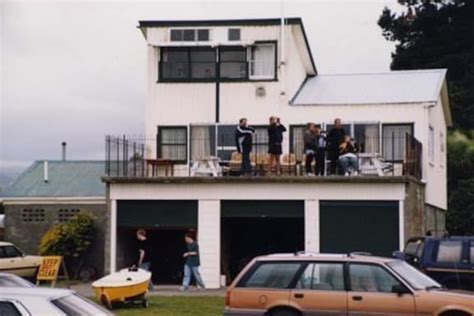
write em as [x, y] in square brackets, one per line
[75, 305]
[415, 278]
[14, 281]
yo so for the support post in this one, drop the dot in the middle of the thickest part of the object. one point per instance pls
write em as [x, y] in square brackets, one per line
[311, 226]
[113, 236]
[209, 239]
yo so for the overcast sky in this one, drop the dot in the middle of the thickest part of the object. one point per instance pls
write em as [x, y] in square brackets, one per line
[75, 71]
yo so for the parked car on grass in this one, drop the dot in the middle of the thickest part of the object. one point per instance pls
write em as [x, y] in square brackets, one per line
[11, 280]
[448, 260]
[46, 301]
[354, 284]
[13, 260]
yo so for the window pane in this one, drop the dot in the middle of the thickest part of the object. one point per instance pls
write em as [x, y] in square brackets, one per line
[176, 35]
[201, 55]
[175, 55]
[203, 35]
[273, 275]
[233, 62]
[173, 143]
[234, 35]
[449, 251]
[173, 136]
[11, 252]
[297, 141]
[233, 54]
[262, 61]
[371, 278]
[393, 141]
[8, 309]
[260, 140]
[322, 276]
[189, 35]
[367, 136]
[203, 63]
[202, 141]
[175, 64]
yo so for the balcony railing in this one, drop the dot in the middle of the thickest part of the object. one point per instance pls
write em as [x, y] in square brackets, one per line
[212, 156]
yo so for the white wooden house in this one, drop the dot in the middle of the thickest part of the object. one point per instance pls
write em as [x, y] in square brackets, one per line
[205, 75]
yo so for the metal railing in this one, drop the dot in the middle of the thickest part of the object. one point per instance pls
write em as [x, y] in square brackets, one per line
[128, 158]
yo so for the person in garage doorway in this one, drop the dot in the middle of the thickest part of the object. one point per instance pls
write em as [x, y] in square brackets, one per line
[191, 266]
[144, 254]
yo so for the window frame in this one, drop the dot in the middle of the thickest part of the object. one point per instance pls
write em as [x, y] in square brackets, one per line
[274, 43]
[247, 69]
[196, 34]
[159, 142]
[382, 125]
[308, 263]
[189, 78]
[347, 275]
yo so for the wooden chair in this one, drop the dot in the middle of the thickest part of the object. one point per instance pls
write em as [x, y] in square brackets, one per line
[288, 163]
[235, 162]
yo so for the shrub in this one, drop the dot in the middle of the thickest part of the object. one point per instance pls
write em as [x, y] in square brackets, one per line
[71, 239]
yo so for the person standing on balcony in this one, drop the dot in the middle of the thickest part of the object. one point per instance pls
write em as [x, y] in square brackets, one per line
[335, 138]
[310, 147]
[320, 152]
[191, 267]
[275, 138]
[144, 254]
[243, 139]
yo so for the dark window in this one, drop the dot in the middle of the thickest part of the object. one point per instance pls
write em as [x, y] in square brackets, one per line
[173, 143]
[275, 275]
[394, 140]
[367, 137]
[234, 35]
[176, 35]
[189, 35]
[33, 215]
[371, 278]
[226, 141]
[203, 63]
[260, 140]
[322, 276]
[449, 251]
[188, 63]
[8, 309]
[203, 35]
[11, 252]
[233, 62]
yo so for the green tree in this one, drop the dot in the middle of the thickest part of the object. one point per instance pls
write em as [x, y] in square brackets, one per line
[439, 34]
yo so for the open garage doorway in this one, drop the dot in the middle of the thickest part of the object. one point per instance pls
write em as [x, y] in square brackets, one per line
[365, 226]
[253, 228]
[166, 223]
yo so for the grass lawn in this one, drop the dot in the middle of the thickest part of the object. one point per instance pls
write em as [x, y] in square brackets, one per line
[176, 305]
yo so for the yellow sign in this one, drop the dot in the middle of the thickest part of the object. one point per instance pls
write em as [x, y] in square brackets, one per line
[49, 268]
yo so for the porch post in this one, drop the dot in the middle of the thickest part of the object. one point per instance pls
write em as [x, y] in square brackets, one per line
[113, 236]
[209, 239]
[311, 225]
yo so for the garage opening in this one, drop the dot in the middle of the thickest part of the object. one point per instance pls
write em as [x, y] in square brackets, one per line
[166, 223]
[366, 226]
[253, 228]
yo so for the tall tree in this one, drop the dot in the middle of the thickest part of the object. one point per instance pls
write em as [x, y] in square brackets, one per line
[437, 34]
[440, 34]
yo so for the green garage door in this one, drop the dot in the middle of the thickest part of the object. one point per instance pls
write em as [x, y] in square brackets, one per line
[157, 213]
[367, 226]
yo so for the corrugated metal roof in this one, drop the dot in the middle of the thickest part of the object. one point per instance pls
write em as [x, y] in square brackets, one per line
[407, 86]
[65, 179]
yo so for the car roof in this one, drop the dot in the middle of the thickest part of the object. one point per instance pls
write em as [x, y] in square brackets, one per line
[306, 256]
[12, 292]
[4, 243]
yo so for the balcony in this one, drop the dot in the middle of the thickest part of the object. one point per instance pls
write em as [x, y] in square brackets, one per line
[173, 156]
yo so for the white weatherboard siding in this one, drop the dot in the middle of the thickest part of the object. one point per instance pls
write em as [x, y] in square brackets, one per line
[311, 226]
[209, 238]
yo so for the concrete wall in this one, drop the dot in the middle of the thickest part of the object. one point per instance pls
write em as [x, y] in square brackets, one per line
[414, 210]
[27, 235]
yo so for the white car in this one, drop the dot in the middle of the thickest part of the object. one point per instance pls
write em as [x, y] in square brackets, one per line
[11, 280]
[13, 260]
[46, 302]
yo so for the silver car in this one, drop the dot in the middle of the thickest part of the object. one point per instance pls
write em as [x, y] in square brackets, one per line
[47, 302]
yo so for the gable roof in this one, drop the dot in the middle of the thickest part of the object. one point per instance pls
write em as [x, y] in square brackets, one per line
[394, 87]
[65, 179]
[233, 22]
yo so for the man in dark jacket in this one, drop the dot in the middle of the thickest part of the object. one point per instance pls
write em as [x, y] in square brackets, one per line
[275, 138]
[334, 139]
[243, 140]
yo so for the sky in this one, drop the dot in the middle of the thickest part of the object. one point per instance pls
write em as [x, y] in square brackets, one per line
[74, 71]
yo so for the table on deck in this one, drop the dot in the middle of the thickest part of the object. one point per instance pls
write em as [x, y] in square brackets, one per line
[156, 163]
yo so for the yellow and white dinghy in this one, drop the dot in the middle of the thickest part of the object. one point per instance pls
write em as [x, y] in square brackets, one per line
[127, 285]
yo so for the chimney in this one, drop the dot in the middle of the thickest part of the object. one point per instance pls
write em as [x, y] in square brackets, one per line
[45, 171]
[63, 144]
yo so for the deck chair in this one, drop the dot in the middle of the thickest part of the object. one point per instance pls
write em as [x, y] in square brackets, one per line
[288, 163]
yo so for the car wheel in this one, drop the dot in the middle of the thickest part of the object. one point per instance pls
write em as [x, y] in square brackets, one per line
[284, 312]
